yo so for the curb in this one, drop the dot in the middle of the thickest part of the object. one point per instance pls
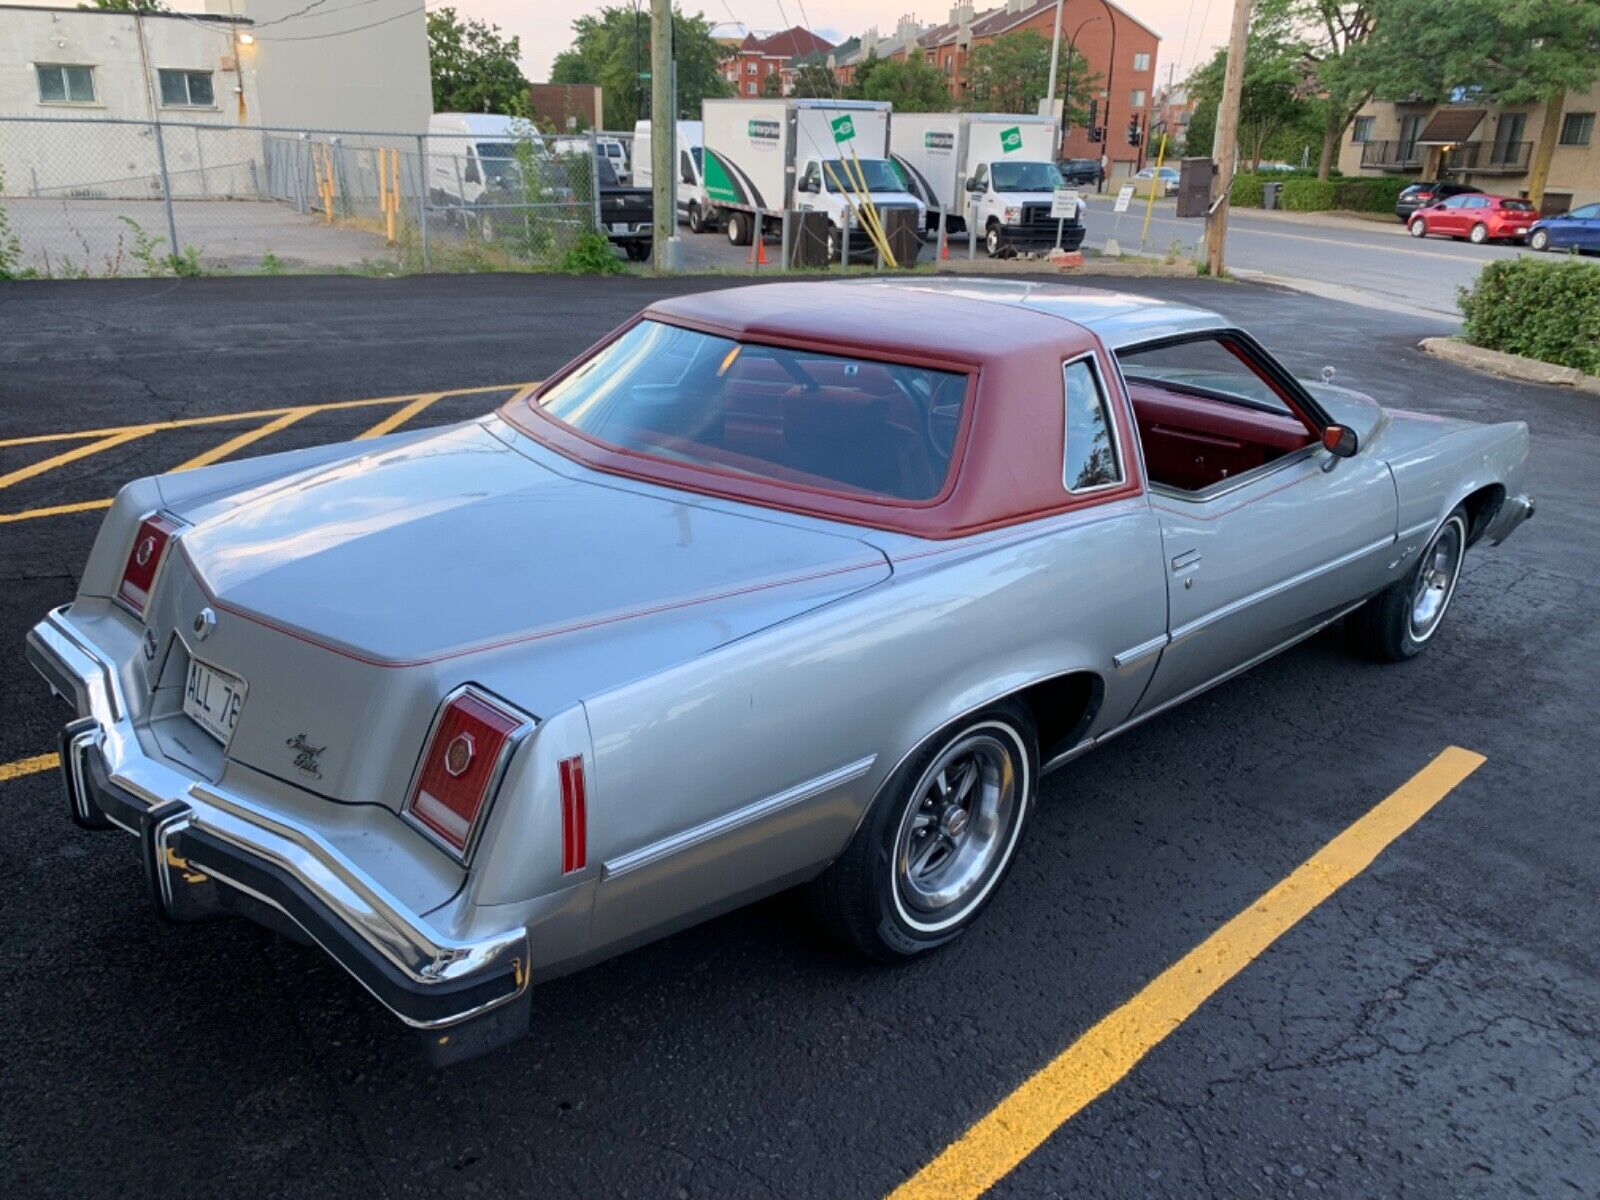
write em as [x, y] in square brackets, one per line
[1509, 366]
[1108, 267]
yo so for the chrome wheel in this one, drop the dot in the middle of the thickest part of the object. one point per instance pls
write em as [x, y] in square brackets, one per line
[1435, 580]
[1540, 239]
[959, 828]
[1479, 235]
[991, 240]
[1419, 229]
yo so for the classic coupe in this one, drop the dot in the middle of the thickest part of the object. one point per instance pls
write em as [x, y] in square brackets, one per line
[794, 584]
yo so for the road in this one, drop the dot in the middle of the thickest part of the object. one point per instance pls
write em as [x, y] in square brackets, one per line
[1428, 1031]
[1346, 258]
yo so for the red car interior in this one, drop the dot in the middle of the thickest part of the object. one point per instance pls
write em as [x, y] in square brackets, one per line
[1192, 442]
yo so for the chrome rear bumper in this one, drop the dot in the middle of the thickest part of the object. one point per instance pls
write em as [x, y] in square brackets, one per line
[1514, 510]
[207, 851]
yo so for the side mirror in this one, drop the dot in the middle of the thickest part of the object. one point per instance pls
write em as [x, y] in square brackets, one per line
[972, 184]
[1339, 441]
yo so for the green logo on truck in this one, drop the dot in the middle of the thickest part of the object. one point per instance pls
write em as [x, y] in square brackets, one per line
[844, 129]
[1011, 139]
[936, 140]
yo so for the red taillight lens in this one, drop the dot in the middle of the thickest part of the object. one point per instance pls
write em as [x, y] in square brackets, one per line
[574, 817]
[144, 560]
[461, 767]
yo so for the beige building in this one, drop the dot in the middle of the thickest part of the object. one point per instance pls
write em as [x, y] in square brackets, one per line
[1487, 146]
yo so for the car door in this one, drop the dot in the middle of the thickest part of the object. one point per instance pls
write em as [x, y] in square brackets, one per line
[1583, 228]
[1258, 560]
[1448, 217]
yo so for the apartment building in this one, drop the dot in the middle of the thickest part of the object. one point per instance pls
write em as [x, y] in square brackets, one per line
[1488, 146]
[759, 56]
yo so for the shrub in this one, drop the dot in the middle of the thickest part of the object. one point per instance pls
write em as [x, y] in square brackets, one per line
[591, 254]
[1246, 191]
[1368, 195]
[1306, 195]
[1544, 310]
[10, 247]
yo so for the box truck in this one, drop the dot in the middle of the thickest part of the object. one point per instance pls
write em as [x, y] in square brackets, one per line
[691, 191]
[762, 156]
[994, 172]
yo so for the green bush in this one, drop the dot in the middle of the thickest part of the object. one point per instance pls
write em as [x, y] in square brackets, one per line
[1544, 310]
[1245, 191]
[591, 254]
[1368, 195]
[1306, 195]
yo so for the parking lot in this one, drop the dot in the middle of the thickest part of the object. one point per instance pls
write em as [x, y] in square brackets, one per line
[1292, 938]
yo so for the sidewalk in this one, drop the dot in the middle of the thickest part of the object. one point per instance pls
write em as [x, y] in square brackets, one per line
[1325, 220]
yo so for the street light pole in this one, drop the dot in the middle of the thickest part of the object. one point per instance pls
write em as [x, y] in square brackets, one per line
[1055, 53]
[1225, 144]
[1066, 83]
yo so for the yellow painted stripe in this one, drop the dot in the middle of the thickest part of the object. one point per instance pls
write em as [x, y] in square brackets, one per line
[27, 766]
[54, 510]
[400, 416]
[256, 415]
[1020, 1123]
[73, 455]
[240, 441]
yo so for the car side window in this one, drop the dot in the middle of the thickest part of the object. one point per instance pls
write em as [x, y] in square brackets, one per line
[1456, 202]
[1203, 367]
[981, 175]
[1477, 202]
[1589, 212]
[809, 182]
[685, 167]
[1091, 460]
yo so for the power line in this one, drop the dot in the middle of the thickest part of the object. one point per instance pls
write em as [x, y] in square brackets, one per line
[313, 37]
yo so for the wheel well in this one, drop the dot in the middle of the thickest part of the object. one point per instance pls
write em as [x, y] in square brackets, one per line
[1062, 708]
[1481, 506]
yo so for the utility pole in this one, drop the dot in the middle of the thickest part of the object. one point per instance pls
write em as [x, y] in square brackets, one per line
[1225, 146]
[663, 124]
[1055, 53]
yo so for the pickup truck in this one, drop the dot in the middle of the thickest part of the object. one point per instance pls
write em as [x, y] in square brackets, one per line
[626, 213]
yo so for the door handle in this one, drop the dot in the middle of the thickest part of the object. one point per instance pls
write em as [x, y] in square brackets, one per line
[1189, 558]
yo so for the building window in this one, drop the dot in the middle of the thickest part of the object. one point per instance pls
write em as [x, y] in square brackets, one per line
[1363, 129]
[1141, 62]
[65, 85]
[1577, 129]
[1137, 100]
[749, 89]
[750, 68]
[186, 89]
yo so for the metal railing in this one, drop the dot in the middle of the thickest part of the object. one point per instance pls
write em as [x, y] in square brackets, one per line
[1481, 158]
[105, 196]
[1391, 156]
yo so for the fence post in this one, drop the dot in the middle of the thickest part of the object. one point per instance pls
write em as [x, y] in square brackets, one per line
[594, 179]
[422, 197]
[200, 161]
[166, 187]
[783, 238]
[844, 246]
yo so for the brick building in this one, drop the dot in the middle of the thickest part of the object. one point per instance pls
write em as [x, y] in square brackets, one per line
[758, 56]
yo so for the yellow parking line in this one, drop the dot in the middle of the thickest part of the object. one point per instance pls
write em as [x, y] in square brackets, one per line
[400, 416]
[257, 414]
[27, 766]
[1020, 1123]
[73, 455]
[240, 441]
[54, 510]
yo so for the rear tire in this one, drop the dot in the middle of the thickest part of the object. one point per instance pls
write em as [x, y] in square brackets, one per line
[1400, 620]
[1539, 239]
[739, 228]
[639, 251]
[1419, 228]
[938, 840]
[1479, 234]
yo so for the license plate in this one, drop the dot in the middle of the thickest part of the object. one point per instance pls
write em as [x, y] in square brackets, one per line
[620, 227]
[212, 699]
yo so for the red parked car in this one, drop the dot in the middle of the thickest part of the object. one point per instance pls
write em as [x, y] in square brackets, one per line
[1476, 217]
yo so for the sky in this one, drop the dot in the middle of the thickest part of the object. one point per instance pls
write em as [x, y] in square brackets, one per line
[545, 26]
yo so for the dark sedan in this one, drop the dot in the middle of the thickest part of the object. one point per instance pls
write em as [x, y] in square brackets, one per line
[1420, 195]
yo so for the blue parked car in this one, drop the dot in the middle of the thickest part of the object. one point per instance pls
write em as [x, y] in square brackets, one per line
[1575, 230]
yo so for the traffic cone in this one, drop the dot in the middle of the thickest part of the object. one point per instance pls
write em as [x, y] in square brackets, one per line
[761, 250]
[944, 250]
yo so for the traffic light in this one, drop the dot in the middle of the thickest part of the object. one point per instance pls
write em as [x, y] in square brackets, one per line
[1134, 133]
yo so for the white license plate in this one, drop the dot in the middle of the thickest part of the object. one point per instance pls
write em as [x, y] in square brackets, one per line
[212, 699]
[620, 227]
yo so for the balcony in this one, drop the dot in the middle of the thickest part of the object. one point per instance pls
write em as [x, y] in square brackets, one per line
[1487, 158]
[1391, 156]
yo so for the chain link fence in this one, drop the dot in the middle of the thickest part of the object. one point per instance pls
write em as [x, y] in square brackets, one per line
[105, 197]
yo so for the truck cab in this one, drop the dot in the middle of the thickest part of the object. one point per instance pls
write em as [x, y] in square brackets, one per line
[1009, 201]
[834, 185]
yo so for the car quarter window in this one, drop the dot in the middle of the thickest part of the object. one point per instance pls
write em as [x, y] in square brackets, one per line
[1203, 367]
[1091, 459]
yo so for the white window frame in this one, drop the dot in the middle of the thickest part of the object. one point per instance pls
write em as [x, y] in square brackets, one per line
[187, 73]
[1111, 426]
[66, 90]
[1361, 129]
[1137, 99]
[1141, 61]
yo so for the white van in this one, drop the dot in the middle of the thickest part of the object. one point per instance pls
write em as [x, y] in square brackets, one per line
[692, 206]
[471, 155]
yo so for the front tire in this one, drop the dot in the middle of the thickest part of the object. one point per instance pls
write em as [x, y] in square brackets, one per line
[992, 240]
[697, 219]
[1479, 234]
[1419, 228]
[1400, 620]
[938, 840]
[1540, 239]
[639, 251]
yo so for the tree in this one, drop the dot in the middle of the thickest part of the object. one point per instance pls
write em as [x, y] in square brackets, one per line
[856, 88]
[474, 67]
[1527, 52]
[912, 84]
[128, 6]
[1275, 113]
[611, 48]
[1331, 33]
[813, 81]
[1010, 73]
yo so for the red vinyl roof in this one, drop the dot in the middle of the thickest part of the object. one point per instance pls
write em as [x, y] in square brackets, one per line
[1007, 463]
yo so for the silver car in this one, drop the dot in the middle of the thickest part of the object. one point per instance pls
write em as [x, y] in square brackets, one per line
[791, 584]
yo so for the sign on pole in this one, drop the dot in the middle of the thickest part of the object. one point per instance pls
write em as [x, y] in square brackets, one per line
[844, 129]
[1064, 204]
[1124, 198]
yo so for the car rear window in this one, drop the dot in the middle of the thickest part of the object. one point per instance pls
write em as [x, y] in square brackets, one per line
[1516, 205]
[798, 417]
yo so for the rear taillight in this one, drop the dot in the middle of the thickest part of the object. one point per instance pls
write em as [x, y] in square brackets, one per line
[574, 817]
[144, 561]
[466, 755]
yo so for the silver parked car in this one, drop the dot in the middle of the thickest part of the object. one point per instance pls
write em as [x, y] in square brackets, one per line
[799, 583]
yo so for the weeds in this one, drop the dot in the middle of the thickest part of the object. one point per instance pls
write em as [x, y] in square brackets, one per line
[271, 264]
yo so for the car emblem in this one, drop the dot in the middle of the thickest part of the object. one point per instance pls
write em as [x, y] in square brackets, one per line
[458, 755]
[204, 622]
[145, 550]
[306, 755]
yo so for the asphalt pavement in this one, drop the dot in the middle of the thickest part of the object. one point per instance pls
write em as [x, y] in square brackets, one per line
[1428, 1031]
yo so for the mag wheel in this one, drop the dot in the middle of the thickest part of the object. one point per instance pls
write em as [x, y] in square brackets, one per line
[1479, 234]
[1419, 228]
[1398, 622]
[937, 842]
